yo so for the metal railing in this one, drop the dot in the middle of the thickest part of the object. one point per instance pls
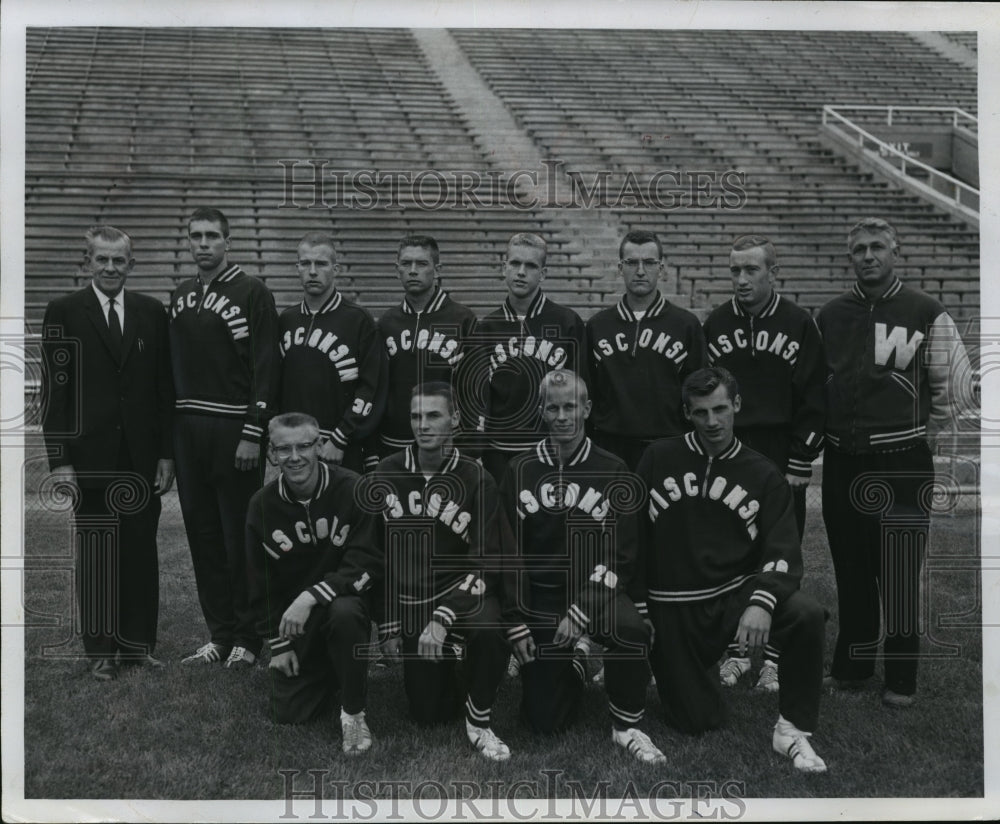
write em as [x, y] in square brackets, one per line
[958, 187]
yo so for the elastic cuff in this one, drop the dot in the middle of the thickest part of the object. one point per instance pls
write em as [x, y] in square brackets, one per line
[799, 467]
[642, 609]
[444, 616]
[251, 432]
[389, 630]
[763, 598]
[577, 616]
[279, 645]
[322, 592]
[518, 633]
[338, 438]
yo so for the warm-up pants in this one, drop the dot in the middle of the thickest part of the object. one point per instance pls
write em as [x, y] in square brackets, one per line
[691, 635]
[434, 691]
[553, 683]
[214, 496]
[332, 657]
[875, 510]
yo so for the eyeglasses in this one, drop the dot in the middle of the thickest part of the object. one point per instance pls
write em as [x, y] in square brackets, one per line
[647, 263]
[285, 452]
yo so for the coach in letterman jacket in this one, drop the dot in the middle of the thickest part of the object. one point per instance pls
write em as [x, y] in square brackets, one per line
[898, 371]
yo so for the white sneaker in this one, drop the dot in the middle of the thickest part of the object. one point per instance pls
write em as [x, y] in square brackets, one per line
[487, 742]
[768, 679]
[240, 658]
[513, 668]
[357, 736]
[732, 670]
[637, 744]
[795, 744]
[210, 653]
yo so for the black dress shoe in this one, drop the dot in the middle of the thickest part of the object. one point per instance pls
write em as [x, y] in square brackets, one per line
[141, 661]
[104, 669]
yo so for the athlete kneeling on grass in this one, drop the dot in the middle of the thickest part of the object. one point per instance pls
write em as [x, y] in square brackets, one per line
[313, 561]
[441, 547]
[571, 509]
[722, 558]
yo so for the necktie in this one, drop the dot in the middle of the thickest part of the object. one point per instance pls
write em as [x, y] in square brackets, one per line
[115, 325]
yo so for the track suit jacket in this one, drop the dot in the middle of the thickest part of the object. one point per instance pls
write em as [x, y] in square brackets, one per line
[777, 358]
[332, 368]
[897, 365]
[516, 354]
[420, 346]
[223, 338]
[439, 537]
[573, 525]
[637, 367]
[325, 546]
[713, 523]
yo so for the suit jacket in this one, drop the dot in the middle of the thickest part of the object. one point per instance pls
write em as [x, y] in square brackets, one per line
[93, 397]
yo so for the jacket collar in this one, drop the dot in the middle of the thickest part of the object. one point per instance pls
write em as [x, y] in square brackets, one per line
[626, 313]
[533, 311]
[231, 272]
[769, 309]
[731, 451]
[892, 291]
[547, 454]
[322, 483]
[332, 303]
[435, 303]
[412, 465]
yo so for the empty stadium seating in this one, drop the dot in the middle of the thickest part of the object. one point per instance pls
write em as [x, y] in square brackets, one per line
[137, 127]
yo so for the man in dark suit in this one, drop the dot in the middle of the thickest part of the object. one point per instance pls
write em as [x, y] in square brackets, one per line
[108, 401]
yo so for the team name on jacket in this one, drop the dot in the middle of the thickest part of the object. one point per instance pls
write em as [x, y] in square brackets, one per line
[540, 349]
[662, 342]
[774, 343]
[555, 497]
[305, 533]
[437, 506]
[224, 307]
[329, 343]
[672, 489]
[430, 340]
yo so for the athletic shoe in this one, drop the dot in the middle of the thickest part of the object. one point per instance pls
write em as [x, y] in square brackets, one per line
[210, 653]
[104, 669]
[768, 679]
[357, 736]
[487, 742]
[847, 684]
[897, 700]
[795, 745]
[240, 658]
[732, 670]
[637, 744]
[513, 668]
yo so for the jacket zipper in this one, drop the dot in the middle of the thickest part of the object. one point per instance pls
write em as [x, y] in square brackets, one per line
[704, 483]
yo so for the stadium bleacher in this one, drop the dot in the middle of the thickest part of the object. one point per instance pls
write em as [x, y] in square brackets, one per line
[136, 127]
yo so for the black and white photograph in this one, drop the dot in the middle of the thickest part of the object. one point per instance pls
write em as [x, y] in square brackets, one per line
[444, 411]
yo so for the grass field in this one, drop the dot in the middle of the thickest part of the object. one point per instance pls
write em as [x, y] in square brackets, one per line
[201, 733]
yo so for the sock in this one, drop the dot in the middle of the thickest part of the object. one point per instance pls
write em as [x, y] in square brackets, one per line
[358, 716]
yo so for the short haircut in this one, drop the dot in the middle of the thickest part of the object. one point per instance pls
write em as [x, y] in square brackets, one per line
[561, 377]
[744, 242]
[873, 224]
[291, 420]
[530, 240]
[210, 214]
[421, 242]
[436, 389]
[109, 234]
[639, 238]
[319, 239]
[705, 381]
